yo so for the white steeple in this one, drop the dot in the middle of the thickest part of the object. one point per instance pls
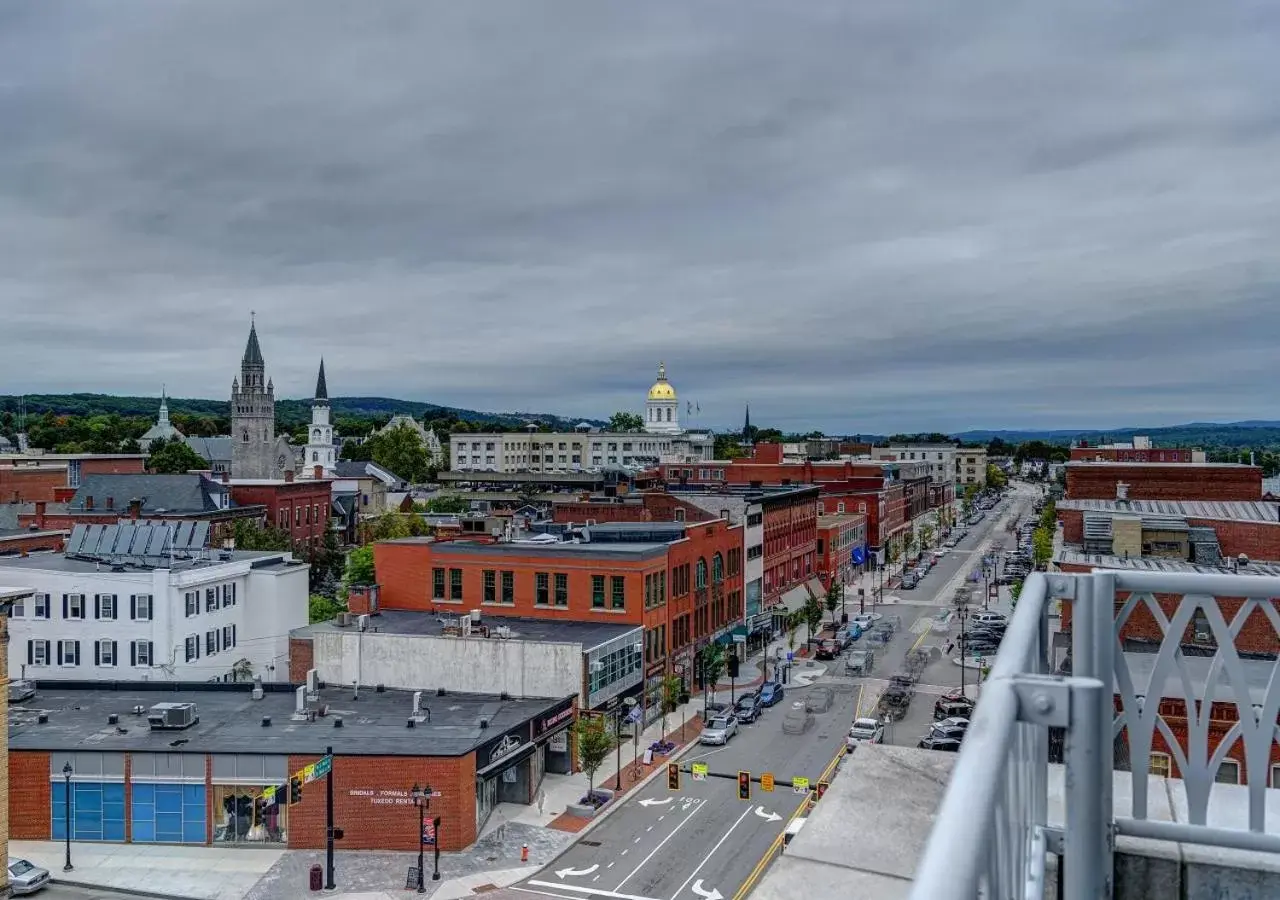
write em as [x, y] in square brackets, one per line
[320, 449]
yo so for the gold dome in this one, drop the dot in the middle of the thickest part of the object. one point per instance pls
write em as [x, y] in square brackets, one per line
[662, 389]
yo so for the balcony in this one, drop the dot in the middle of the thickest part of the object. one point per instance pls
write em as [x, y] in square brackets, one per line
[1062, 787]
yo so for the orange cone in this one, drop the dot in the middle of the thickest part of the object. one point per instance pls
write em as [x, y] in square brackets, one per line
[524, 853]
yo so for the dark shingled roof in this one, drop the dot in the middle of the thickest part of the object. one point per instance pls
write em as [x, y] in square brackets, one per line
[252, 352]
[172, 493]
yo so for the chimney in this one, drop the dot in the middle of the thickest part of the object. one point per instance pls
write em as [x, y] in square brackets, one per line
[88, 503]
[288, 477]
[135, 509]
[226, 477]
[40, 508]
[319, 473]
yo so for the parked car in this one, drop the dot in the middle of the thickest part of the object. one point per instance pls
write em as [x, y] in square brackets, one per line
[827, 649]
[909, 581]
[26, 877]
[947, 708]
[719, 730]
[961, 722]
[950, 543]
[863, 621]
[937, 730]
[748, 707]
[771, 693]
[994, 618]
[859, 662]
[946, 745]
[711, 710]
[864, 731]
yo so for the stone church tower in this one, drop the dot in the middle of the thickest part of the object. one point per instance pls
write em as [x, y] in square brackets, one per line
[253, 417]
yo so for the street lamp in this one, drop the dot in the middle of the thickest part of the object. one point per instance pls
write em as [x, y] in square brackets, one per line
[964, 615]
[66, 812]
[421, 799]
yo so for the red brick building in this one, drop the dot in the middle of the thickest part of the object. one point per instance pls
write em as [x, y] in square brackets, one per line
[838, 538]
[299, 506]
[1242, 527]
[1163, 481]
[27, 477]
[19, 542]
[1129, 453]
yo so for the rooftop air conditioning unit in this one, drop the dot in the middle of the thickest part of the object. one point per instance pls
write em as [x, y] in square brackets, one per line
[343, 619]
[172, 716]
[20, 690]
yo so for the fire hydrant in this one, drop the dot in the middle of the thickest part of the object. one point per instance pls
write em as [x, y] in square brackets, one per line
[524, 853]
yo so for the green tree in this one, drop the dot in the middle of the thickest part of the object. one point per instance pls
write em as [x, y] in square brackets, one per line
[832, 601]
[401, 451]
[359, 569]
[242, 670]
[926, 536]
[447, 504]
[672, 688]
[361, 452]
[595, 742]
[326, 563]
[714, 663]
[625, 421]
[249, 535]
[322, 609]
[793, 622]
[173, 457]
[966, 502]
[1042, 545]
[812, 618]
[390, 526]
[996, 478]
[1015, 591]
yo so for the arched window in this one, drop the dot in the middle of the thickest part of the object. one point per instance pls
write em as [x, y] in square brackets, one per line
[316, 434]
[717, 569]
[244, 436]
[701, 576]
[315, 457]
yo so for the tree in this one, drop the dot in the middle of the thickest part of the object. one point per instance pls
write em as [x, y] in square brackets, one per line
[326, 564]
[1042, 545]
[322, 609]
[1015, 591]
[173, 457]
[966, 503]
[447, 504]
[926, 536]
[812, 617]
[832, 601]
[625, 421]
[249, 535]
[726, 447]
[594, 742]
[360, 569]
[400, 450]
[996, 478]
[388, 526]
[242, 670]
[713, 666]
[354, 452]
[793, 625]
[909, 543]
[672, 689]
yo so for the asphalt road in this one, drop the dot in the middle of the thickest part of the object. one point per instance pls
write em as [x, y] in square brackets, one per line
[63, 892]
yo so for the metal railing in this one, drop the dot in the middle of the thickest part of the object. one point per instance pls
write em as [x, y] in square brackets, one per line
[992, 833]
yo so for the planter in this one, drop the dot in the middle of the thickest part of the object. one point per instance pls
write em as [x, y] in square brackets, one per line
[684, 697]
[583, 810]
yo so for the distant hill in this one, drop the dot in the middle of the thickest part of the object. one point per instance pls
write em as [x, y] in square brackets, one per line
[1254, 433]
[288, 412]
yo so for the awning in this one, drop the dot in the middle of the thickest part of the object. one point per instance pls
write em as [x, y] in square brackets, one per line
[507, 761]
[728, 636]
[815, 585]
[795, 599]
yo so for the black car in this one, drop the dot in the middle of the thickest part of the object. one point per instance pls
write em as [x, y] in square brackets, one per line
[941, 730]
[946, 745]
[984, 634]
[748, 707]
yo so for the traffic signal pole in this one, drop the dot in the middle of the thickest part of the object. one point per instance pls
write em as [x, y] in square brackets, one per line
[328, 812]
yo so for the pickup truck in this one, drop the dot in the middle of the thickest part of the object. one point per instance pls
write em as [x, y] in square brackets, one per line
[864, 731]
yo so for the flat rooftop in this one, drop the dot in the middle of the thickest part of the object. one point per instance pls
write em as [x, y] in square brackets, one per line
[1120, 464]
[1265, 511]
[432, 624]
[231, 721]
[1070, 556]
[60, 562]
[550, 550]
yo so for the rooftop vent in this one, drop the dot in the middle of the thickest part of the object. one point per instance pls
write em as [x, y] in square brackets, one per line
[172, 716]
[266, 721]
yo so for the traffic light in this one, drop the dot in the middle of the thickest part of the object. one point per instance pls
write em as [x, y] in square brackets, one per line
[673, 776]
[822, 789]
[295, 790]
[744, 785]
[733, 665]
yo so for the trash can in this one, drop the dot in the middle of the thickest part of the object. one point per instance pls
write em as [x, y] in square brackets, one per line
[317, 878]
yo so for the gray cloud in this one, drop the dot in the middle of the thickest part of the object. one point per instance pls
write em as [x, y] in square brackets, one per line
[855, 216]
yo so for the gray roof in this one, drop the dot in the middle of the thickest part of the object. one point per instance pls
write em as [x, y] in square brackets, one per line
[214, 449]
[259, 560]
[1071, 556]
[1229, 510]
[171, 493]
[252, 352]
[231, 721]
[605, 550]
[588, 634]
[1257, 675]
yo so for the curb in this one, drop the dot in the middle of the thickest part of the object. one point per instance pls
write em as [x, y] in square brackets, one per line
[132, 892]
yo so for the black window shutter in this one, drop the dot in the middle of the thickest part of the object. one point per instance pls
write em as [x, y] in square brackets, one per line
[59, 652]
[97, 606]
[151, 654]
[115, 653]
[31, 652]
[133, 606]
[97, 653]
[115, 606]
[133, 653]
[65, 606]
[77, 653]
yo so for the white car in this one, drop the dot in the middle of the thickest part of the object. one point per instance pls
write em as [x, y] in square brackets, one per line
[864, 731]
[989, 618]
[719, 730]
[26, 877]
[864, 621]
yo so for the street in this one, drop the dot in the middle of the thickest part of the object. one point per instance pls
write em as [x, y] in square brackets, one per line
[704, 843]
[65, 892]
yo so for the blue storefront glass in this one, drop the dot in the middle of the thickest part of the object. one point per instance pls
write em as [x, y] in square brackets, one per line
[97, 811]
[168, 813]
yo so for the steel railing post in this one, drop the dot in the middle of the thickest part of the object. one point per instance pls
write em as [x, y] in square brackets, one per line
[1087, 874]
[1107, 638]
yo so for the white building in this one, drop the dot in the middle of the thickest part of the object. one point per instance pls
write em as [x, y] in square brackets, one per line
[971, 467]
[163, 430]
[320, 450]
[181, 620]
[661, 441]
[940, 457]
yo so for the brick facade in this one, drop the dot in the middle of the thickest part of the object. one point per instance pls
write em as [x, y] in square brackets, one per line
[1085, 453]
[30, 798]
[301, 659]
[651, 506]
[32, 541]
[301, 507]
[1256, 540]
[1164, 481]
[26, 479]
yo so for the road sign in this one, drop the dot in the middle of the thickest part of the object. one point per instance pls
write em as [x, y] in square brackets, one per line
[766, 781]
[800, 785]
[698, 771]
[269, 795]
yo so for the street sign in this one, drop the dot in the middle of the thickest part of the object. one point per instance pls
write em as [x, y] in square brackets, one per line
[800, 785]
[321, 767]
[739, 638]
[698, 771]
[766, 781]
[269, 794]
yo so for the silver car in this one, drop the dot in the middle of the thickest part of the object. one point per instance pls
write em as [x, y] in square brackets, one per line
[719, 730]
[25, 877]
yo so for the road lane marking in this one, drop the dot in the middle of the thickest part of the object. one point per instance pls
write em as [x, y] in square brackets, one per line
[612, 864]
[661, 844]
[636, 841]
[718, 845]
[590, 892]
[650, 828]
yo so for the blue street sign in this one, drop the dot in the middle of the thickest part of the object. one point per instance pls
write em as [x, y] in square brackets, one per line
[859, 555]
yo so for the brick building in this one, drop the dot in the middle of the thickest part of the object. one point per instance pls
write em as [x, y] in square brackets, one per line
[204, 782]
[19, 541]
[1190, 530]
[28, 477]
[842, 542]
[681, 582]
[1163, 481]
[300, 507]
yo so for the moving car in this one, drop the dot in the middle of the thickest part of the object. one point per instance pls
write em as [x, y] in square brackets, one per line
[770, 693]
[26, 877]
[719, 730]
[952, 708]
[864, 731]
[748, 707]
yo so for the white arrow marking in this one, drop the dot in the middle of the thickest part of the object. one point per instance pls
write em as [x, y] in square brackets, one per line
[651, 802]
[712, 894]
[767, 816]
[575, 873]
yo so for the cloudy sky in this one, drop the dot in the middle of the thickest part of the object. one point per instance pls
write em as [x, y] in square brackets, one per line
[866, 215]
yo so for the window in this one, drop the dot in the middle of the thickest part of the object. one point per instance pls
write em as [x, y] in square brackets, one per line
[168, 813]
[755, 552]
[1228, 772]
[38, 653]
[140, 653]
[104, 606]
[562, 589]
[228, 636]
[701, 572]
[68, 653]
[717, 569]
[1160, 764]
[619, 590]
[508, 587]
[755, 520]
[73, 606]
[192, 599]
[210, 599]
[542, 589]
[19, 608]
[140, 607]
[437, 584]
[455, 584]
[490, 586]
[104, 653]
[597, 591]
[228, 593]
[192, 647]
[211, 642]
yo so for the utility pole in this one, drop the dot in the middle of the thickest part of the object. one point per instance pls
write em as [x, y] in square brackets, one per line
[328, 812]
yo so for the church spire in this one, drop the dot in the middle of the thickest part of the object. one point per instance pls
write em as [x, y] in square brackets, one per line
[163, 420]
[322, 389]
[252, 352]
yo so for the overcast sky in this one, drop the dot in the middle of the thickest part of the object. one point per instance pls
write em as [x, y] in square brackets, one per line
[859, 216]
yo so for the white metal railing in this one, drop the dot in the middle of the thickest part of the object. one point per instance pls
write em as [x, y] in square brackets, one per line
[992, 834]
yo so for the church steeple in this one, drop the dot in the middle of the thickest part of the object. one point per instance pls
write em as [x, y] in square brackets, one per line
[252, 366]
[253, 417]
[746, 425]
[322, 389]
[320, 450]
[163, 420]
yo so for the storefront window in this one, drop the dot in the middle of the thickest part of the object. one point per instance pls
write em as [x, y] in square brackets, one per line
[241, 816]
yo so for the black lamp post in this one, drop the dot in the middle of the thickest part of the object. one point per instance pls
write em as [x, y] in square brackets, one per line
[66, 812]
[421, 799]
[617, 746]
[964, 616]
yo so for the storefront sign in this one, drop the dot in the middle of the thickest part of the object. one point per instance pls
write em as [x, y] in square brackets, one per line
[384, 796]
[552, 721]
[559, 742]
[508, 745]
[503, 747]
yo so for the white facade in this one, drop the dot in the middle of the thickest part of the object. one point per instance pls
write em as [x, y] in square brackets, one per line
[971, 467]
[940, 457]
[186, 624]
[662, 407]
[573, 451]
